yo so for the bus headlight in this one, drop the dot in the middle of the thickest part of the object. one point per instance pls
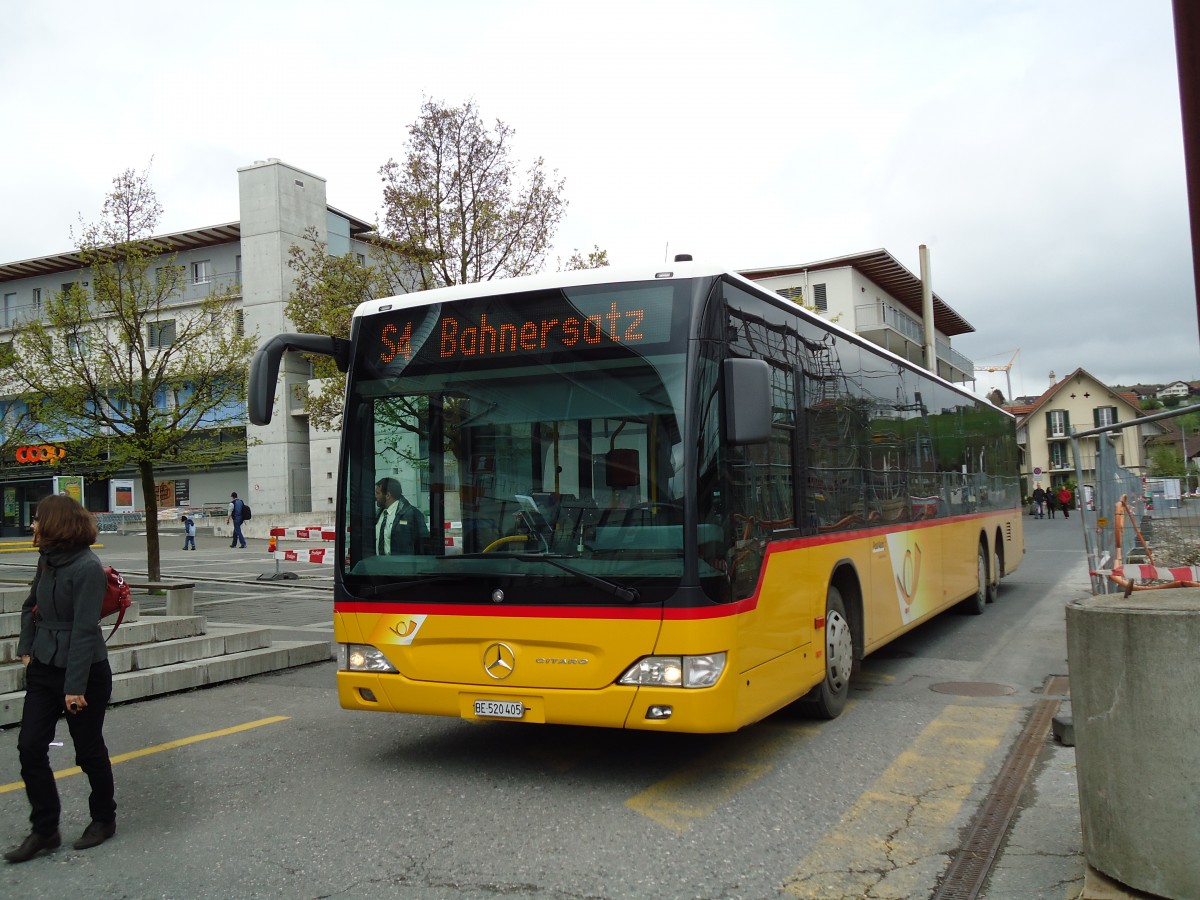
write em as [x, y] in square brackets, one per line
[676, 671]
[362, 658]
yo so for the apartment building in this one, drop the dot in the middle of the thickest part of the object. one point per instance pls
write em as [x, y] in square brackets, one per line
[876, 297]
[1079, 402]
[278, 204]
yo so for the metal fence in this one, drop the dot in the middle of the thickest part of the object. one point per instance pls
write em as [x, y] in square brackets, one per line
[1141, 532]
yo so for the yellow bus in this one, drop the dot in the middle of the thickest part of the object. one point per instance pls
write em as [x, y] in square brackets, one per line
[662, 499]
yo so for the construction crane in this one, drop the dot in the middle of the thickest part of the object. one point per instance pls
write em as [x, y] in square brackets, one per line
[1005, 369]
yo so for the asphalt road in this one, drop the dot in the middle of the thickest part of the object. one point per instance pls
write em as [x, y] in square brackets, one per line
[265, 787]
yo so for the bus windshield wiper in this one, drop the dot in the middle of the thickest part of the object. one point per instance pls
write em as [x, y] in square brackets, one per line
[375, 590]
[629, 595]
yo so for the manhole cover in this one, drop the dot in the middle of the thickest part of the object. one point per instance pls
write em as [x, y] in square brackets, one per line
[973, 688]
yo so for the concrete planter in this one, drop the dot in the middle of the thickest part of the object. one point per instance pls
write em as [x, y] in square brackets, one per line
[1135, 698]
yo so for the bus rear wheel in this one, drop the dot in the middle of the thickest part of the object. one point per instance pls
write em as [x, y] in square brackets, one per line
[977, 602]
[828, 699]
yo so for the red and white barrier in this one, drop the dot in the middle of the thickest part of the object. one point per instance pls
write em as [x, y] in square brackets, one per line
[307, 533]
[318, 555]
[1153, 573]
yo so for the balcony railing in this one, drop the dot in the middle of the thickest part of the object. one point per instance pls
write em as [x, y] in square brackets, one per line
[874, 317]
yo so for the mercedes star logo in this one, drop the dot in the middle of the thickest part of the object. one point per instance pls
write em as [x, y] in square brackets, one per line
[499, 661]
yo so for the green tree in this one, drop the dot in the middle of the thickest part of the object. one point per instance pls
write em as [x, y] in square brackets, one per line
[1166, 462]
[457, 208]
[326, 291]
[126, 371]
[455, 211]
[596, 259]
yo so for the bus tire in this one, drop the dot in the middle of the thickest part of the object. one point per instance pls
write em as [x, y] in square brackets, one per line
[977, 602]
[828, 699]
[995, 573]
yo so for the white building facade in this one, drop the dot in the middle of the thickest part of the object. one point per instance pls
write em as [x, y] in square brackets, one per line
[285, 468]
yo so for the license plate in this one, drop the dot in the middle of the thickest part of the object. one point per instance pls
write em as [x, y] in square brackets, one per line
[500, 709]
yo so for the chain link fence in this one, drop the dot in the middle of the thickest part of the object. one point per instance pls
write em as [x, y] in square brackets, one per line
[1142, 533]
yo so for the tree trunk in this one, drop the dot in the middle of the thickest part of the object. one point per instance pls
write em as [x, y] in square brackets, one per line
[153, 558]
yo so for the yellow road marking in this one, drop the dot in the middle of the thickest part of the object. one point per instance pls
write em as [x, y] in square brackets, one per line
[895, 837]
[159, 748]
[701, 787]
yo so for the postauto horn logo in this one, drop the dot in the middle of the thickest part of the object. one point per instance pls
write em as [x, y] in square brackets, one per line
[43, 454]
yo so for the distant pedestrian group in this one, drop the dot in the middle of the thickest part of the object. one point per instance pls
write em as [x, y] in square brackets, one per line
[1047, 502]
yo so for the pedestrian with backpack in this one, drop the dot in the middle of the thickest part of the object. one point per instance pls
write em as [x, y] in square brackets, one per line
[237, 510]
[66, 667]
[189, 533]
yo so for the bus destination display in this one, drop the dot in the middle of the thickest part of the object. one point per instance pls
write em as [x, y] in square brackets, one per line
[496, 328]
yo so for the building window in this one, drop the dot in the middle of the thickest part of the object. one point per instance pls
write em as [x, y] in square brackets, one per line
[169, 278]
[239, 323]
[77, 345]
[1057, 423]
[1104, 415]
[362, 260]
[819, 300]
[160, 334]
[202, 271]
[10, 308]
[1058, 456]
[37, 298]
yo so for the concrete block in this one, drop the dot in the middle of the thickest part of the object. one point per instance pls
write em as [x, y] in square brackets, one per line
[1135, 696]
[120, 660]
[8, 649]
[169, 628]
[243, 665]
[11, 706]
[180, 677]
[166, 653]
[10, 624]
[303, 653]
[247, 638]
[181, 601]
[12, 599]
[12, 678]
[1064, 730]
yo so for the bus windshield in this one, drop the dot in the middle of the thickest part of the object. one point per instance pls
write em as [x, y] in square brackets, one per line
[522, 448]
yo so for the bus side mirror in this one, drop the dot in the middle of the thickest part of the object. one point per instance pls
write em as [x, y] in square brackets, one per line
[747, 400]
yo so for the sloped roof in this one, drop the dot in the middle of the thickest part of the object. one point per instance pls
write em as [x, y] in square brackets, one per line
[886, 271]
[1024, 411]
[192, 239]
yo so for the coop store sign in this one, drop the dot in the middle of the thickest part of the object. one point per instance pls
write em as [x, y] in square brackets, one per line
[43, 453]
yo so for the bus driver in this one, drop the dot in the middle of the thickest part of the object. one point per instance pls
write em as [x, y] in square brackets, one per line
[400, 528]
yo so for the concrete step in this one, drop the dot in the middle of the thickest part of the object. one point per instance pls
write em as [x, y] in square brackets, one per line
[11, 597]
[138, 631]
[137, 684]
[10, 621]
[152, 643]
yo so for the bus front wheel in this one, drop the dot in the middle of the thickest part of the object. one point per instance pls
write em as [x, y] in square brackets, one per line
[828, 699]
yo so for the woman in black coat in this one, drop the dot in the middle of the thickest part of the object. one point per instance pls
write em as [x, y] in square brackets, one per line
[66, 668]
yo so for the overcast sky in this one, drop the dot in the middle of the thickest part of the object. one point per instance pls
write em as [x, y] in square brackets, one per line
[1035, 147]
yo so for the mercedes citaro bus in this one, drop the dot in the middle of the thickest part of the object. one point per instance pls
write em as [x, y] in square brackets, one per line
[664, 499]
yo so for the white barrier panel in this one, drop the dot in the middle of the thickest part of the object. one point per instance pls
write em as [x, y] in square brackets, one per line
[318, 555]
[307, 533]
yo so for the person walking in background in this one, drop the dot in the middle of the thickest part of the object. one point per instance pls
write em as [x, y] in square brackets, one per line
[1064, 500]
[235, 516]
[1050, 503]
[189, 533]
[66, 667]
[1039, 502]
